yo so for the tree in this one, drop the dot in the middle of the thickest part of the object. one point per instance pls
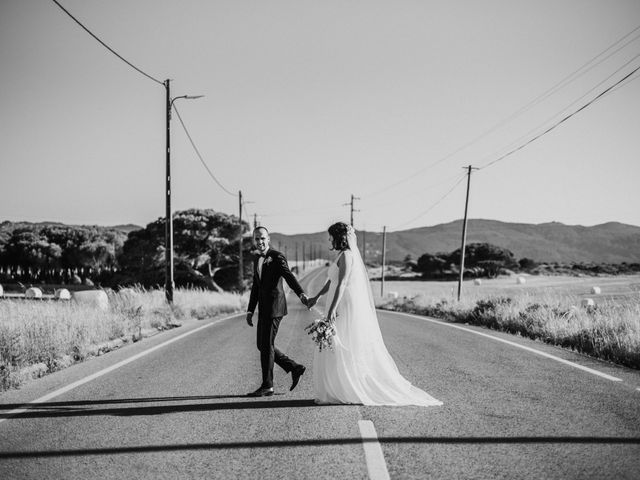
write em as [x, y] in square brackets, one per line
[29, 247]
[204, 243]
[431, 266]
[475, 253]
[409, 263]
[527, 263]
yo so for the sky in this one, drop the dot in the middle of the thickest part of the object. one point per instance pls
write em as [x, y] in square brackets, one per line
[307, 103]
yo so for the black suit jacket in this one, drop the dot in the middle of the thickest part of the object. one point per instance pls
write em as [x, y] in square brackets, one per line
[267, 291]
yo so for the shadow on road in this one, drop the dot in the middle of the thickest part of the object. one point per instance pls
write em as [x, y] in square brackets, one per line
[319, 443]
[87, 408]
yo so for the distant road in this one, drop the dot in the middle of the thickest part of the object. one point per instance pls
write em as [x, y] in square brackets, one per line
[173, 406]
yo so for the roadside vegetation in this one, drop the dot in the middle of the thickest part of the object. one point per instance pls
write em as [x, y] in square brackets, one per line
[40, 337]
[608, 330]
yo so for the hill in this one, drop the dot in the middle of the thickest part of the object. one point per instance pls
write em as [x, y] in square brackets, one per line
[547, 242]
[610, 242]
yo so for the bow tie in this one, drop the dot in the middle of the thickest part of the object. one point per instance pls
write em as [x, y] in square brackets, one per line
[263, 255]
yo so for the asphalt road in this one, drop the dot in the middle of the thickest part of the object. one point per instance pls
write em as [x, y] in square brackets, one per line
[173, 406]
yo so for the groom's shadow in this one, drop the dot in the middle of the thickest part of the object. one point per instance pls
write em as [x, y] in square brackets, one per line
[140, 407]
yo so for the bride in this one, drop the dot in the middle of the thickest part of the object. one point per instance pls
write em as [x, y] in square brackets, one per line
[359, 368]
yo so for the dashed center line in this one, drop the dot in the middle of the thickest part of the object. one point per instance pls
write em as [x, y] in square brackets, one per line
[376, 466]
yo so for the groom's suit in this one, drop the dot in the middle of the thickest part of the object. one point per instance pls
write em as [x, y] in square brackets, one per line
[268, 295]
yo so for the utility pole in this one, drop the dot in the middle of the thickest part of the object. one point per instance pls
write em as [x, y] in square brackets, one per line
[304, 247]
[364, 248]
[255, 221]
[297, 266]
[169, 283]
[464, 231]
[384, 254]
[351, 205]
[240, 266]
[168, 228]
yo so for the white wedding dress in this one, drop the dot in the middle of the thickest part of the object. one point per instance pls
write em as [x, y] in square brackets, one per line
[359, 369]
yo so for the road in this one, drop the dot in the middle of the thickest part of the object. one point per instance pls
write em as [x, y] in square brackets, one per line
[173, 406]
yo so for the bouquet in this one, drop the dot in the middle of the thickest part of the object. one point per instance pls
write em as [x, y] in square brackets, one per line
[322, 332]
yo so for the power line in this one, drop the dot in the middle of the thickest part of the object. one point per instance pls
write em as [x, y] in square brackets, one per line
[567, 117]
[200, 156]
[541, 125]
[421, 214]
[107, 46]
[562, 83]
[406, 196]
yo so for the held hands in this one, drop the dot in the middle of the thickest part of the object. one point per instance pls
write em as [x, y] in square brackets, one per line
[305, 300]
[249, 321]
[311, 302]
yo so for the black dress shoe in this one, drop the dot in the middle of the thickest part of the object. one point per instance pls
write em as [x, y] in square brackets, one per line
[261, 392]
[295, 376]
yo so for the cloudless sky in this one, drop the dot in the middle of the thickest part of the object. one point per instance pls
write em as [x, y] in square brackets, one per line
[308, 102]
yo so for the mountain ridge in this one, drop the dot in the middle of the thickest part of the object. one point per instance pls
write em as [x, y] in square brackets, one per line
[609, 242]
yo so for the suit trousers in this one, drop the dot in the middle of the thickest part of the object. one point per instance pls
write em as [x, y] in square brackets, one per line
[269, 354]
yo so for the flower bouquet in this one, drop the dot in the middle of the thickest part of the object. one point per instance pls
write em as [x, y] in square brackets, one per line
[322, 332]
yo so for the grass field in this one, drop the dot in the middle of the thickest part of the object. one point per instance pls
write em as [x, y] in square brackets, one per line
[39, 337]
[572, 289]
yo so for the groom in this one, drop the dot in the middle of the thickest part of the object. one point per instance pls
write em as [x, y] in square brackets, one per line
[269, 268]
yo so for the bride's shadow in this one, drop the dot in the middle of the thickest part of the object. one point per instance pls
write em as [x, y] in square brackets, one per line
[140, 407]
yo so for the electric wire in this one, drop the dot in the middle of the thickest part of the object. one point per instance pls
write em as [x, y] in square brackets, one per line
[592, 63]
[107, 46]
[541, 125]
[557, 124]
[437, 202]
[407, 196]
[200, 156]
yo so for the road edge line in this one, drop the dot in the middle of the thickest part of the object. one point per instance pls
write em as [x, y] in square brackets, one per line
[513, 344]
[111, 368]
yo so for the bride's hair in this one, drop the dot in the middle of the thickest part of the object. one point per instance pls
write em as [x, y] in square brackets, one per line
[338, 232]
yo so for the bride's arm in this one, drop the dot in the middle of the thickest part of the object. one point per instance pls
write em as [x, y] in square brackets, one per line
[344, 268]
[323, 290]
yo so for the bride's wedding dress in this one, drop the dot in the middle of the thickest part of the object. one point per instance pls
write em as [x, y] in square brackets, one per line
[359, 369]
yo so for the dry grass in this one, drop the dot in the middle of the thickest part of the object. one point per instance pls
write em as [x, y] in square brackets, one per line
[38, 337]
[610, 330]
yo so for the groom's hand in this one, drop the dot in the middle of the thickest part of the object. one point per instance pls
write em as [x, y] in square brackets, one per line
[305, 300]
[249, 321]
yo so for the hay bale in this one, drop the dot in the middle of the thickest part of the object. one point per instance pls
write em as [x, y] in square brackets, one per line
[596, 290]
[521, 280]
[33, 292]
[588, 303]
[92, 298]
[62, 294]
[477, 281]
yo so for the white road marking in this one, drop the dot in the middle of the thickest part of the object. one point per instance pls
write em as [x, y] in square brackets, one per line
[376, 465]
[513, 344]
[113, 367]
